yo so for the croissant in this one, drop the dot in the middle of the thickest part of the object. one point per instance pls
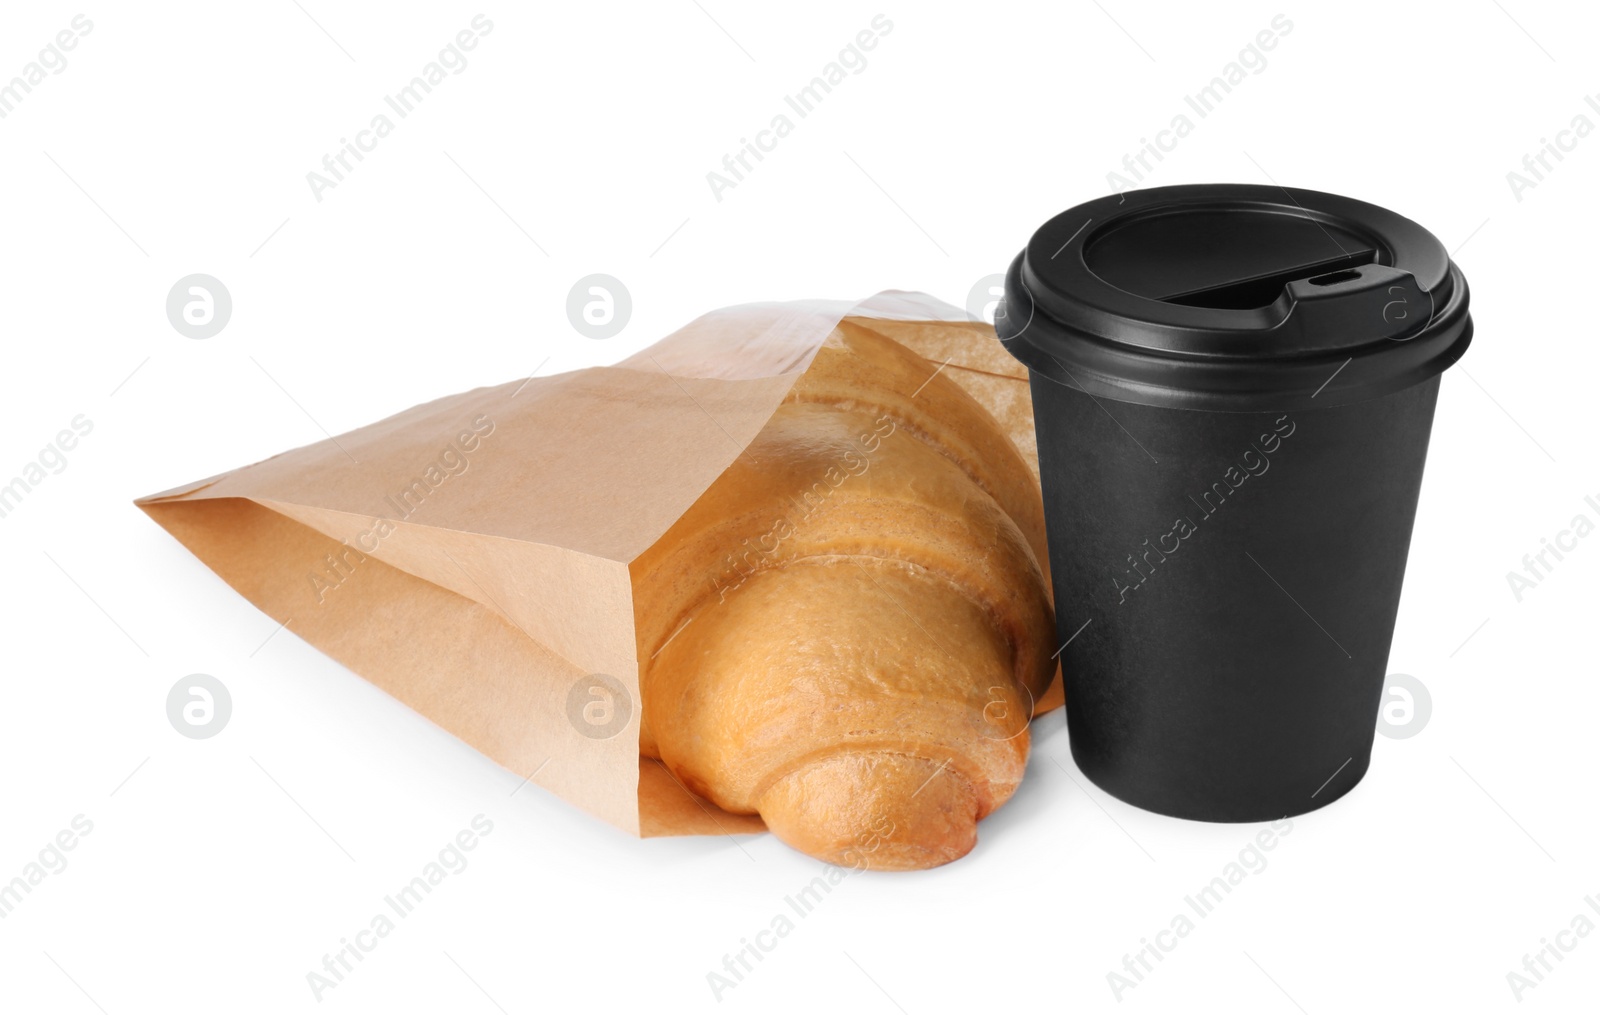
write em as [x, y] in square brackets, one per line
[847, 632]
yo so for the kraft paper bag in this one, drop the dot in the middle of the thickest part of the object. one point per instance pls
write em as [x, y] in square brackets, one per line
[470, 555]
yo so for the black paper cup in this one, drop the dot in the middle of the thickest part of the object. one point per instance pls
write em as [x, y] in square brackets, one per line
[1233, 390]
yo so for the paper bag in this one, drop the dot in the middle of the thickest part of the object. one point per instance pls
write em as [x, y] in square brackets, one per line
[470, 555]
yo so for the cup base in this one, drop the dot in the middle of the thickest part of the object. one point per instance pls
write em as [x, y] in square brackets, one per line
[1339, 783]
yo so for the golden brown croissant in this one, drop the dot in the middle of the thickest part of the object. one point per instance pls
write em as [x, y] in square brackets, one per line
[846, 633]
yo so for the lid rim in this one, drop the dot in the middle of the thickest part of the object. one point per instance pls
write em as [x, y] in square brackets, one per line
[1106, 368]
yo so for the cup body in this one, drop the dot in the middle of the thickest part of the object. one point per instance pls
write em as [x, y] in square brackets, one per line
[1229, 582]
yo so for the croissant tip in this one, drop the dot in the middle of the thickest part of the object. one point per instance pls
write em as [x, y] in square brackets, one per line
[875, 810]
[907, 856]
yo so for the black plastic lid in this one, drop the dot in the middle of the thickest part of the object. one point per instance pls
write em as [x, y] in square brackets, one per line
[1234, 297]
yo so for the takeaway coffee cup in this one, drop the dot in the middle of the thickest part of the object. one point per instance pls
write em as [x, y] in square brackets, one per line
[1233, 388]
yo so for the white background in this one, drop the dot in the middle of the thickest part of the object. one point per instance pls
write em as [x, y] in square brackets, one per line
[219, 872]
